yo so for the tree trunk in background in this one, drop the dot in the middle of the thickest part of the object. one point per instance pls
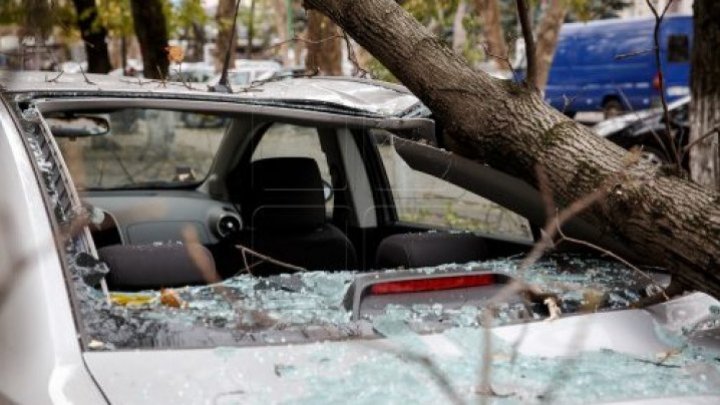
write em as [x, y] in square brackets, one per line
[325, 55]
[547, 38]
[95, 38]
[223, 18]
[459, 34]
[197, 49]
[250, 30]
[495, 44]
[151, 32]
[705, 83]
[281, 28]
[669, 221]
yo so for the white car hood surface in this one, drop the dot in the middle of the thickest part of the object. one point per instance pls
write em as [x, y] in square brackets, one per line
[630, 356]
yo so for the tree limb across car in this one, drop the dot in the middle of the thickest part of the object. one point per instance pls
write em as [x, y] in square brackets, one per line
[674, 222]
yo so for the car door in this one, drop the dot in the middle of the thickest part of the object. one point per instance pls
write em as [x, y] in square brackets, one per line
[422, 202]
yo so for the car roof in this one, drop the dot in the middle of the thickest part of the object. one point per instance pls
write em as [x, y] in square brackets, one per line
[362, 96]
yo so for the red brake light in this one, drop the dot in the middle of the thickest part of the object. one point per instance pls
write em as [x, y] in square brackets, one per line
[433, 284]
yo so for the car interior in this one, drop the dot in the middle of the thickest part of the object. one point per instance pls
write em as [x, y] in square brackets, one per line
[280, 194]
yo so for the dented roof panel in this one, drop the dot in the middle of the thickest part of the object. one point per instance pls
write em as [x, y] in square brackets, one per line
[359, 95]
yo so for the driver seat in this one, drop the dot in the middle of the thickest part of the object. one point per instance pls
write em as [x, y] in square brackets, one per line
[283, 205]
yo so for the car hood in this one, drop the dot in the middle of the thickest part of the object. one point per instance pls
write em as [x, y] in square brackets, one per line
[664, 354]
[613, 125]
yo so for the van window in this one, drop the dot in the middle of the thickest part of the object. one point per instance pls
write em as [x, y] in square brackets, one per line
[678, 48]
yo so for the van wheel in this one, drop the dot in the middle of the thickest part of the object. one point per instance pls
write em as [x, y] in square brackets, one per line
[612, 108]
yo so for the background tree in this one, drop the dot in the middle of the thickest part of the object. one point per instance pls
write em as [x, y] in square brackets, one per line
[280, 22]
[673, 222]
[586, 10]
[495, 43]
[324, 45]
[223, 18]
[116, 17]
[705, 85]
[189, 20]
[547, 37]
[459, 36]
[152, 34]
[94, 36]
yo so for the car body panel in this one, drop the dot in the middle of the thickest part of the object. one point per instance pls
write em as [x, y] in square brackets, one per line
[362, 96]
[299, 373]
[39, 344]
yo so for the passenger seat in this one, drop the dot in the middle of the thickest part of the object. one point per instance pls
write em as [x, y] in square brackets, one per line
[410, 250]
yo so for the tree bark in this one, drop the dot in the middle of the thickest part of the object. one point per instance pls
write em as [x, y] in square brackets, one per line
[223, 17]
[669, 221]
[547, 38]
[151, 32]
[96, 48]
[495, 44]
[705, 105]
[324, 46]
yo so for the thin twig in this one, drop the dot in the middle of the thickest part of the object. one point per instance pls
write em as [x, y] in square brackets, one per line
[666, 112]
[163, 79]
[654, 133]
[83, 74]
[708, 134]
[270, 259]
[55, 79]
[565, 238]
[505, 59]
[352, 57]
[305, 41]
[425, 362]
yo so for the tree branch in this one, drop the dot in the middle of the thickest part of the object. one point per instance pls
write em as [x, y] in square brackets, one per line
[531, 70]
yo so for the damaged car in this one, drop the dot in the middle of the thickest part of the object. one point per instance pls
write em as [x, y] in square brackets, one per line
[316, 245]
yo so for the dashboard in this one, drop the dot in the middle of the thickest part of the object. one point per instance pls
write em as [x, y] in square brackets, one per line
[162, 216]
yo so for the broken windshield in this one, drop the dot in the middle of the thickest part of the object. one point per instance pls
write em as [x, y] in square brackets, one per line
[308, 306]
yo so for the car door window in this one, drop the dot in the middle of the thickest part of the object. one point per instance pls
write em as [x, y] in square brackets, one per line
[286, 140]
[429, 201]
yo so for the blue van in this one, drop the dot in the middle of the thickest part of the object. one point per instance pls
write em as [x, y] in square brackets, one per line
[609, 65]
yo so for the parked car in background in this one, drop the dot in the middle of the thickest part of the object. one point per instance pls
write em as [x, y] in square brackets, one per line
[309, 250]
[248, 71]
[647, 129]
[609, 65]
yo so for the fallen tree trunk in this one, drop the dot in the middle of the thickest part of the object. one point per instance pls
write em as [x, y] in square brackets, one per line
[670, 221]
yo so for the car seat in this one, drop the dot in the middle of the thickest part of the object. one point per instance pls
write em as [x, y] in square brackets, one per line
[283, 205]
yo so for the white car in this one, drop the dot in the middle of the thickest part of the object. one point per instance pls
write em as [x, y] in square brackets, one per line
[308, 250]
[246, 72]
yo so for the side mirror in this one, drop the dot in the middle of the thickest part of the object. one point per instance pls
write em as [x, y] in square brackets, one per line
[78, 126]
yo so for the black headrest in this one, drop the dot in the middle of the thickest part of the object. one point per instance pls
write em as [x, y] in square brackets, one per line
[136, 267]
[284, 193]
[411, 250]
